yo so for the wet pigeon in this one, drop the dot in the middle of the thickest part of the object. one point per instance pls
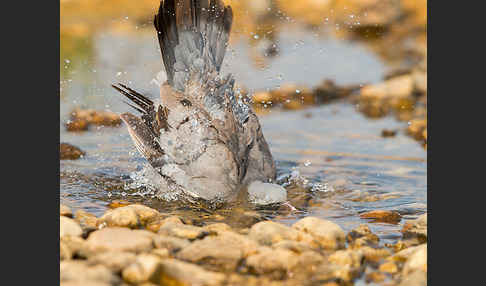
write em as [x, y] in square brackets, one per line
[204, 138]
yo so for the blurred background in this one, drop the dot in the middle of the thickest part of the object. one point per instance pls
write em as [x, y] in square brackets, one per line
[340, 87]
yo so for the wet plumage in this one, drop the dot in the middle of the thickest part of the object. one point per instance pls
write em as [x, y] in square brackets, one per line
[203, 138]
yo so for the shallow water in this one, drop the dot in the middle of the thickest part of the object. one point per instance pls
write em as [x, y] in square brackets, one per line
[332, 153]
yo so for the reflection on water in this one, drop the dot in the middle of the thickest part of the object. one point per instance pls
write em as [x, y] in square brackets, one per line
[337, 162]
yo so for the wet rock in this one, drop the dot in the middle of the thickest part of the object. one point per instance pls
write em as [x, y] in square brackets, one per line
[115, 261]
[362, 236]
[132, 216]
[417, 260]
[68, 226]
[118, 204]
[419, 78]
[374, 255]
[394, 88]
[266, 193]
[174, 272]
[145, 268]
[76, 125]
[375, 277]
[262, 97]
[328, 234]
[269, 232]
[172, 244]
[87, 221]
[118, 239]
[389, 267]
[83, 273]
[403, 255]
[346, 258]
[219, 252]
[416, 229]
[417, 127]
[388, 133]
[369, 14]
[276, 262]
[100, 118]
[382, 216]
[70, 152]
[65, 211]
[328, 91]
[416, 278]
[183, 231]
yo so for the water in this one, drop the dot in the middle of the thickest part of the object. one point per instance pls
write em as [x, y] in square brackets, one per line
[337, 162]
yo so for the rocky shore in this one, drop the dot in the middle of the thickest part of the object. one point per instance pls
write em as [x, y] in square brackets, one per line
[138, 245]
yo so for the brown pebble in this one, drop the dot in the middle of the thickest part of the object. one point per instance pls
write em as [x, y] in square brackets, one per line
[70, 152]
[382, 216]
[388, 133]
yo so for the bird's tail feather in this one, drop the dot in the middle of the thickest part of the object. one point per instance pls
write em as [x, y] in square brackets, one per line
[193, 35]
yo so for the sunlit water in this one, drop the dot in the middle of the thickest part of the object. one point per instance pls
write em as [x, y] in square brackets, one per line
[331, 153]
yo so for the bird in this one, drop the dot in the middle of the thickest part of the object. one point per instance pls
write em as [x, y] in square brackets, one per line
[203, 138]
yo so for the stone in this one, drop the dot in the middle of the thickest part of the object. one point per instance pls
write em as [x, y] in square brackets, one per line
[87, 221]
[74, 244]
[100, 118]
[328, 234]
[266, 193]
[362, 236]
[295, 246]
[183, 231]
[68, 226]
[70, 152]
[172, 244]
[217, 227]
[388, 267]
[416, 261]
[382, 216]
[269, 232]
[65, 211]
[375, 277]
[174, 272]
[276, 262]
[115, 261]
[416, 229]
[346, 258]
[145, 268]
[118, 239]
[372, 254]
[219, 252]
[397, 87]
[83, 273]
[132, 216]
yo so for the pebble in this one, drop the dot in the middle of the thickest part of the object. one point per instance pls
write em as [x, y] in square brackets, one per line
[70, 152]
[175, 272]
[114, 260]
[416, 229]
[328, 234]
[68, 226]
[382, 216]
[118, 239]
[131, 216]
[221, 252]
[83, 273]
[145, 268]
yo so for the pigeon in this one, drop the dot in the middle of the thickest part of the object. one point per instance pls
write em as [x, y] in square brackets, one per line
[203, 138]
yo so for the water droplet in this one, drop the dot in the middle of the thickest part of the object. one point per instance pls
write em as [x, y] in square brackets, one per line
[256, 36]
